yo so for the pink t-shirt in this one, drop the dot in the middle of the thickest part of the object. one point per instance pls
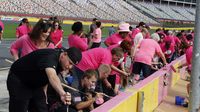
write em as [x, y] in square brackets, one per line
[114, 39]
[169, 38]
[135, 31]
[56, 36]
[97, 32]
[22, 30]
[76, 41]
[168, 52]
[148, 36]
[2, 25]
[113, 46]
[177, 40]
[188, 55]
[162, 45]
[147, 50]
[116, 64]
[26, 44]
[93, 58]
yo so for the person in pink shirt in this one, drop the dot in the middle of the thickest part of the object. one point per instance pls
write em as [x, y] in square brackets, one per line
[175, 42]
[118, 68]
[177, 45]
[96, 38]
[186, 41]
[138, 29]
[140, 36]
[169, 37]
[2, 25]
[117, 38]
[1, 30]
[1, 34]
[188, 54]
[126, 47]
[190, 39]
[39, 38]
[143, 57]
[93, 58]
[57, 34]
[24, 28]
[168, 49]
[162, 36]
[77, 38]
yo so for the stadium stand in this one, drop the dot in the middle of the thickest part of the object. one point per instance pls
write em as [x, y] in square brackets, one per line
[117, 10]
[7, 6]
[165, 11]
[113, 10]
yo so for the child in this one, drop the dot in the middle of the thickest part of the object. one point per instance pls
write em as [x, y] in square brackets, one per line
[1, 34]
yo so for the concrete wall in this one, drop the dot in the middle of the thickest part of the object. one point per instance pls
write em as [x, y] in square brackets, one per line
[147, 94]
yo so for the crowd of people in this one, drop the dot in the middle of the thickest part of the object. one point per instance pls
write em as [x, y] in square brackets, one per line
[46, 76]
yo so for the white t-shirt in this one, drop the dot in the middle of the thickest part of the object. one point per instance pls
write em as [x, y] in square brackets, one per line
[138, 38]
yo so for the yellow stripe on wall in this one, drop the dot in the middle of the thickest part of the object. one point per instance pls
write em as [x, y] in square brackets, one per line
[175, 75]
[175, 78]
[150, 95]
[183, 28]
[129, 105]
[34, 19]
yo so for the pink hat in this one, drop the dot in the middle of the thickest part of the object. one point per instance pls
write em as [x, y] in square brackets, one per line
[123, 27]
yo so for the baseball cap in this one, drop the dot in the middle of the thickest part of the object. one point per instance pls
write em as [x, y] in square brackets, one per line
[74, 54]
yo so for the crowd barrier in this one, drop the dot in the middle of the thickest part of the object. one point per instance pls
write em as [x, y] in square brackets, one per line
[147, 94]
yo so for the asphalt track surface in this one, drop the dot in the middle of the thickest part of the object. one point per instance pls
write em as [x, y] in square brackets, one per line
[5, 56]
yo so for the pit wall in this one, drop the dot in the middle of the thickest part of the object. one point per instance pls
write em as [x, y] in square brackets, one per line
[147, 94]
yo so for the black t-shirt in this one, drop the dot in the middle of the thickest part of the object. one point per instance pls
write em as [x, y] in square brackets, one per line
[30, 69]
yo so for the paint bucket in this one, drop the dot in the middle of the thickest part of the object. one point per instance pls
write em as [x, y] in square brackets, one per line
[179, 100]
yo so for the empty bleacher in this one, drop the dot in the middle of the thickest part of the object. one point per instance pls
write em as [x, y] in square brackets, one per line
[164, 11]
